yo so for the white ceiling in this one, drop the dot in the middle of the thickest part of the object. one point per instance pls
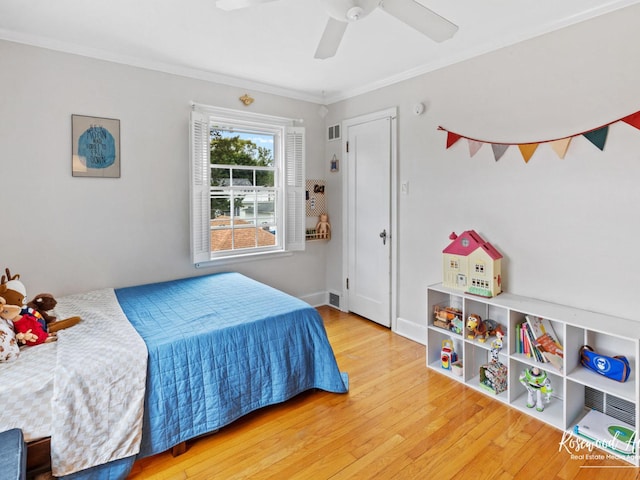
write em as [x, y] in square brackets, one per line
[270, 47]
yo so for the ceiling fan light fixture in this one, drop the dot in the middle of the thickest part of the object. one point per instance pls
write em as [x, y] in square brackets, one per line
[354, 14]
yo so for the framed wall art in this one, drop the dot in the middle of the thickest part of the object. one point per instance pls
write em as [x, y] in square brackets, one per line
[95, 147]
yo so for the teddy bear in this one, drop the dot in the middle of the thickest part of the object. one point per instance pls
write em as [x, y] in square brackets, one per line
[41, 305]
[9, 348]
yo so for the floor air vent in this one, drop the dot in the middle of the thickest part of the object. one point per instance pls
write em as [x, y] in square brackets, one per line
[615, 407]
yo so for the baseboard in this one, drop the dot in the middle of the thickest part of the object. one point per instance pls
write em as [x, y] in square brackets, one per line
[316, 299]
[411, 330]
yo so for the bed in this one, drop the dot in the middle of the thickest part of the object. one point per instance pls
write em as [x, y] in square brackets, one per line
[153, 366]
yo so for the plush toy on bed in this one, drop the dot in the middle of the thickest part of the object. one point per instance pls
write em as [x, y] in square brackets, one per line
[41, 305]
[30, 326]
[9, 348]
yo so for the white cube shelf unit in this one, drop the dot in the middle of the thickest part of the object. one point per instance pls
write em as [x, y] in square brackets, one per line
[576, 390]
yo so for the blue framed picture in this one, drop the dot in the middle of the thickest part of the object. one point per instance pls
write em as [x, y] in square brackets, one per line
[95, 147]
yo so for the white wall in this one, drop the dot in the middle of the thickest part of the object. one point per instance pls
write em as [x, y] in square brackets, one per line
[568, 228]
[64, 234]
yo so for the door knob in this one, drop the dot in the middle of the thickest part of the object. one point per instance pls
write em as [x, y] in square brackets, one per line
[383, 236]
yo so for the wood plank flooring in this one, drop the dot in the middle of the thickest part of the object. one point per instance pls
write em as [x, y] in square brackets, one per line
[398, 421]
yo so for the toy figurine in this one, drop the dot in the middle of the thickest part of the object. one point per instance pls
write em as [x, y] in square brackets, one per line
[447, 355]
[323, 228]
[496, 345]
[481, 329]
[456, 325]
[537, 383]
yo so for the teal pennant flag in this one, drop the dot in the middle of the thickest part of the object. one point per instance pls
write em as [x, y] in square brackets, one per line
[598, 137]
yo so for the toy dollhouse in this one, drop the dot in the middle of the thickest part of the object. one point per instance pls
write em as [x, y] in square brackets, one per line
[472, 265]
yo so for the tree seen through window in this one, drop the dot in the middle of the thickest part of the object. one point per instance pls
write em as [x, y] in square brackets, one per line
[242, 189]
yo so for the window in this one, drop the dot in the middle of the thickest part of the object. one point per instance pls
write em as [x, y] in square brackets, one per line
[479, 267]
[247, 184]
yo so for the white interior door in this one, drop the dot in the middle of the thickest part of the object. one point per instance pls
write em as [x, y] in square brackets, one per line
[369, 219]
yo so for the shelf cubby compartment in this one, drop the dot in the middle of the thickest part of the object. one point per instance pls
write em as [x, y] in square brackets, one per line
[554, 361]
[436, 338]
[443, 307]
[581, 399]
[607, 345]
[553, 412]
[491, 379]
[486, 311]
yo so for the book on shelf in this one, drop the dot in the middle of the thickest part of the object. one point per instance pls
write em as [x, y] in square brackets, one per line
[545, 341]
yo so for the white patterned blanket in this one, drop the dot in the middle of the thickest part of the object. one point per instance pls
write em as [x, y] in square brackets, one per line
[99, 386]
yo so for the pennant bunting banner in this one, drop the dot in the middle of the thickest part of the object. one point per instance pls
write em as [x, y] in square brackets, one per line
[527, 149]
[498, 150]
[561, 146]
[633, 120]
[597, 136]
[452, 138]
[474, 147]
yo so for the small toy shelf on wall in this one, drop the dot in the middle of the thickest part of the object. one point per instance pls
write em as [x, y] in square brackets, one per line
[316, 206]
[578, 395]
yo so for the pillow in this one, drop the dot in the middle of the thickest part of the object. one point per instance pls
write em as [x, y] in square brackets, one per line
[9, 349]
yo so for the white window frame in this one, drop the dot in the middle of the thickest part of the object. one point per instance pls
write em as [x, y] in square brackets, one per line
[289, 157]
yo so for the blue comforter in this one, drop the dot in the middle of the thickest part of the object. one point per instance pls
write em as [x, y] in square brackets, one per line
[221, 346]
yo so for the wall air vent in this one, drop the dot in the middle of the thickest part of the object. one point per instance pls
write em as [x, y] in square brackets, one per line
[334, 132]
[334, 300]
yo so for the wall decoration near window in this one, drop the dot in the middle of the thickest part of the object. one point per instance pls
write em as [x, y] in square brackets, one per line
[317, 208]
[334, 164]
[95, 147]
[316, 204]
[597, 136]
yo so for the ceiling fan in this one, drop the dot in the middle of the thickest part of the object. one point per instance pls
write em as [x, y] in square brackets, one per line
[343, 12]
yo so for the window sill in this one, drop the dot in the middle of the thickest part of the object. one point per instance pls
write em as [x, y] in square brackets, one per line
[249, 257]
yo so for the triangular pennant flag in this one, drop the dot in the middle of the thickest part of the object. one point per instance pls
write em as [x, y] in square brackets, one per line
[598, 137]
[474, 146]
[633, 120]
[561, 146]
[527, 150]
[452, 138]
[498, 150]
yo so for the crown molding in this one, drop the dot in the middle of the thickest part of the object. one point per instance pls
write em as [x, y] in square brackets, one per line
[214, 77]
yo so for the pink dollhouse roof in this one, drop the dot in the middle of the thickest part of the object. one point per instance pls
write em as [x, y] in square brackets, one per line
[475, 241]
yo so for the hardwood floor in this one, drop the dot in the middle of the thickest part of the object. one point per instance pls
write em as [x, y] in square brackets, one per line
[398, 421]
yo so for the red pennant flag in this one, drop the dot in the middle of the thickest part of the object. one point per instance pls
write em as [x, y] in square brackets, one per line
[633, 120]
[452, 138]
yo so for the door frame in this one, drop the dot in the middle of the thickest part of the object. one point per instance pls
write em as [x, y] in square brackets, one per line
[392, 114]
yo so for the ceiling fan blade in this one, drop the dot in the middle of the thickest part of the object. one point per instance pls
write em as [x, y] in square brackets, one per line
[331, 38]
[421, 18]
[238, 4]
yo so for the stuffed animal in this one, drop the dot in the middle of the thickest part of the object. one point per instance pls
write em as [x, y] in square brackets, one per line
[9, 348]
[29, 331]
[12, 289]
[42, 304]
[481, 330]
[30, 326]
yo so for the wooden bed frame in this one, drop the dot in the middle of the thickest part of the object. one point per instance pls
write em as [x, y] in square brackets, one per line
[39, 455]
